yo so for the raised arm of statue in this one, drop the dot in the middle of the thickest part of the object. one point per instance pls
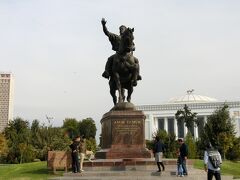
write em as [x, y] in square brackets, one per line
[106, 32]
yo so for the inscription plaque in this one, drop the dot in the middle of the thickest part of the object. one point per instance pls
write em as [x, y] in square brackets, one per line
[126, 131]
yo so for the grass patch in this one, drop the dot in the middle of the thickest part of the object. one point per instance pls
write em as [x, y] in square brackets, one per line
[227, 168]
[26, 171]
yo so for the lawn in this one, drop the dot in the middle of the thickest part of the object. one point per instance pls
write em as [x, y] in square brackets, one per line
[227, 168]
[26, 171]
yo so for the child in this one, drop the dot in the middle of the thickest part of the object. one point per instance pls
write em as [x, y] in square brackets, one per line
[179, 165]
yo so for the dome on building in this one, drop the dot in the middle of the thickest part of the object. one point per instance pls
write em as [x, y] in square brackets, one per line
[191, 98]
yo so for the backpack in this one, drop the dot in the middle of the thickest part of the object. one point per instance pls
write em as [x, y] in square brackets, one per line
[214, 158]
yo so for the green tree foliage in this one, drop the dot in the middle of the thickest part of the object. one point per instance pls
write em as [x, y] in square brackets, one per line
[162, 134]
[219, 130]
[59, 141]
[234, 152]
[71, 126]
[171, 146]
[26, 144]
[27, 152]
[50, 139]
[87, 128]
[185, 115]
[17, 133]
[38, 138]
[3, 148]
[22, 143]
[192, 147]
[91, 144]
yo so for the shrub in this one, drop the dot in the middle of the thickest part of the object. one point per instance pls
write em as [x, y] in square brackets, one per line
[234, 152]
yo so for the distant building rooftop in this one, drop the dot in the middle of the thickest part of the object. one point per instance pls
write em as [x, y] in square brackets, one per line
[191, 98]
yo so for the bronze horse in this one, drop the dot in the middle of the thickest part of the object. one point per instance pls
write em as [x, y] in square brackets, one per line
[123, 70]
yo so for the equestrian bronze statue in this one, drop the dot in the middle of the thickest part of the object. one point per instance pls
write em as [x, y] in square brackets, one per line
[122, 68]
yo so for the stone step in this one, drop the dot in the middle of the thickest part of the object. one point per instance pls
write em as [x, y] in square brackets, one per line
[131, 168]
[129, 161]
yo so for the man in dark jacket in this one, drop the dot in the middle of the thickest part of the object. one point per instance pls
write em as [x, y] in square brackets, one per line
[183, 155]
[158, 153]
[75, 161]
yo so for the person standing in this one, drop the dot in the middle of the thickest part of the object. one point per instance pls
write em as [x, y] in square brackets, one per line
[82, 152]
[212, 162]
[183, 155]
[179, 164]
[74, 153]
[158, 153]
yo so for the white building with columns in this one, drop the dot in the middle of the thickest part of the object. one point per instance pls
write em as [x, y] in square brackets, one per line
[162, 116]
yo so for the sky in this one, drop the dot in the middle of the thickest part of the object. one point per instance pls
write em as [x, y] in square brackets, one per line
[57, 51]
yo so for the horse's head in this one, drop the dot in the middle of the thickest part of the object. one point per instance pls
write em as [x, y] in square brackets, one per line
[127, 44]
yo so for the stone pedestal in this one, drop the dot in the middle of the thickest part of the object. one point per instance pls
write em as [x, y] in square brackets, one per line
[123, 133]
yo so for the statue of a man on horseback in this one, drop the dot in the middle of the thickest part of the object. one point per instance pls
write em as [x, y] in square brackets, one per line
[122, 68]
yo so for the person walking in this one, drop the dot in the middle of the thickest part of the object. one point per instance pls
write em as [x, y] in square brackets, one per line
[158, 153]
[183, 155]
[74, 154]
[212, 162]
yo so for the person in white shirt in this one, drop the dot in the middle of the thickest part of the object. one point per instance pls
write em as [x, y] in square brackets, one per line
[212, 162]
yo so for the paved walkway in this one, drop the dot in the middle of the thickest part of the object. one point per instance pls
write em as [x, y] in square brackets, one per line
[194, 174]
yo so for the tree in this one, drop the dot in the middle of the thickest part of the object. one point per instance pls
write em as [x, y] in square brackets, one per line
[192, 148]
[162, 134]
[185, 115]
[17, 133]
[234, 152]
[22, 148]
[48, 138]
[71, 126]
[219, 130]
[36, 139]
[58, 141]
[87, 128]
[3, 147]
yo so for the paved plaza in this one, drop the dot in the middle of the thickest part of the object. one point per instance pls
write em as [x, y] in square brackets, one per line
[133, 174]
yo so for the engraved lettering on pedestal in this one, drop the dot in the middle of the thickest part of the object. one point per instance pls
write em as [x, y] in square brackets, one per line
[127, 131]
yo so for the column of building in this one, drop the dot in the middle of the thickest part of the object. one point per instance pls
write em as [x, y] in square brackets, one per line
[195, 131]
[166, 124]
[176, 127]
